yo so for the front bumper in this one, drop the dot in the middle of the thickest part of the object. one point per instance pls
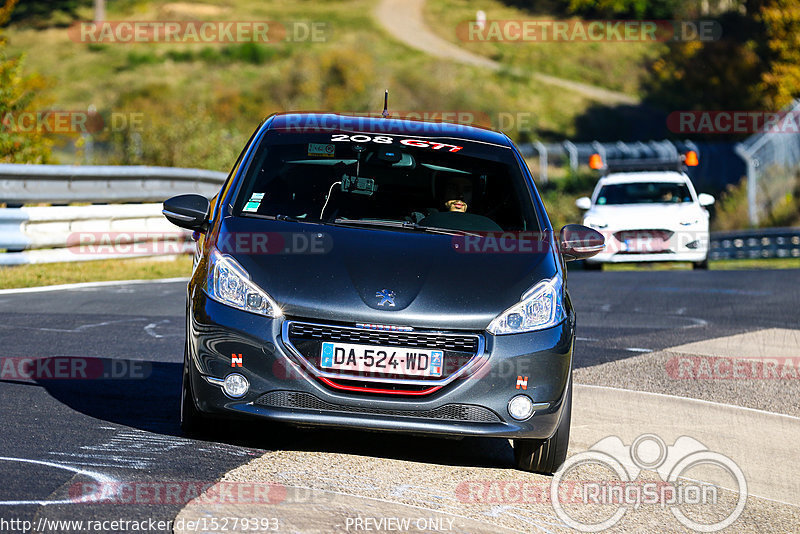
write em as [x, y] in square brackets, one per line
[474, 404]
[679, 244]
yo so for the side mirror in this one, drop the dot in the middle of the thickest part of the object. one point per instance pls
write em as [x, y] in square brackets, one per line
[578, 242]
[187, 211]
[705, 199]
[584, 203]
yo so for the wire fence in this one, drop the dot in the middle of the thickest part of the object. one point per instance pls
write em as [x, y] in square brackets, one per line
[719, 164]
[773, 165]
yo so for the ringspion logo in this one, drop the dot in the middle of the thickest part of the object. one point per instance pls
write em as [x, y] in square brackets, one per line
[677, 489]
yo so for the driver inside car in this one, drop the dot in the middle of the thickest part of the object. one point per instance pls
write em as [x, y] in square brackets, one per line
[458, 191]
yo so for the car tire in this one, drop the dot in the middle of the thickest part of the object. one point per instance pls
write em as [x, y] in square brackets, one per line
[193, 422]
[700, 265]
[592, 266]
[545, 456]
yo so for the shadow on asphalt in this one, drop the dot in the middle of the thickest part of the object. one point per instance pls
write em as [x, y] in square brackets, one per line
[146, 396]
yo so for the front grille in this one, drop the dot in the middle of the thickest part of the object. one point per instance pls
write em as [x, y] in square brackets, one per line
[663, 235]
[455, 342]
[449, 412]
[458, 350]
[640, 252]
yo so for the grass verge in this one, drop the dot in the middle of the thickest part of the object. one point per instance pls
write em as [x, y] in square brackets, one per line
[719, 265]
[618, 65]
[195, 105]
[46, 274]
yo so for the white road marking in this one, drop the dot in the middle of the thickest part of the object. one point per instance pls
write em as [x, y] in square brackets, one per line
[98, 457]
[696, 322]
[150, 329]
[104, 481]
[83, 285]
[701, 401]
[635, 349]
[76, 329]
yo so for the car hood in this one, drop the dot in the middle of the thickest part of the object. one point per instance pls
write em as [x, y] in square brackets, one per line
[333, 273]
[644, 216]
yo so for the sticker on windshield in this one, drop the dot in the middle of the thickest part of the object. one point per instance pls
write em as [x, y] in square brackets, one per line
[254, 202]
[430, 144]
[321, 150]
[384, 139]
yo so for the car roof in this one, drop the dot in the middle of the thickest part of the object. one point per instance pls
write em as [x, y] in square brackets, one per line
[336, 122]
[642, 177]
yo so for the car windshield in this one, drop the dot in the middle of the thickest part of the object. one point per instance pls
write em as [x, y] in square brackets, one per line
[387, 182]
[644, 193]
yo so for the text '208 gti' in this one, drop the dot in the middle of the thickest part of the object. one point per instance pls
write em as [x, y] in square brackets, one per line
[382, 274]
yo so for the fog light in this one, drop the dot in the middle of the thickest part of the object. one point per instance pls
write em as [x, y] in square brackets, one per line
[520, 407]
[693, 244]
[235, 385]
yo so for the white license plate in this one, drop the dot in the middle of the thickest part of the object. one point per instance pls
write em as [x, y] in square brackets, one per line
[407, 361]
[646, 244]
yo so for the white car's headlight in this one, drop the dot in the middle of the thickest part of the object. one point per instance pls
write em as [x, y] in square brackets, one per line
[541, 307]
[595, 222]
[689, 222]
[227, 282]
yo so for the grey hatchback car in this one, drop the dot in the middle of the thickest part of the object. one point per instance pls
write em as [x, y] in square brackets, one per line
[382, 274]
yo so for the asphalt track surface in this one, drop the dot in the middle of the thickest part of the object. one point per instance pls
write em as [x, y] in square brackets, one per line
[59, 434]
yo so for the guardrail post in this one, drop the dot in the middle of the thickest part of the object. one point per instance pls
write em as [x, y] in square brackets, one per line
[12, 237]
[752, 183]
[542, 150]
[572, 150]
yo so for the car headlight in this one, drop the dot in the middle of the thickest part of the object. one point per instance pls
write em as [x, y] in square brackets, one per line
[227, 282]
[690, 222]
[541, 307]
[594, 222]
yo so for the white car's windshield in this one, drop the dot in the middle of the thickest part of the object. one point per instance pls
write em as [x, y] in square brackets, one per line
[644, 193]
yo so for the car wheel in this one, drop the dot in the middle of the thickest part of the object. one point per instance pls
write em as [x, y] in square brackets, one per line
[545, 456]
[193, 422]
[700, 265]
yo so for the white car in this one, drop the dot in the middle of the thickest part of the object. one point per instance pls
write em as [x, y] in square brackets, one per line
[647, 217]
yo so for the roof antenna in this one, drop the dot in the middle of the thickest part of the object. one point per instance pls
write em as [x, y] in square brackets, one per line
[385, 104]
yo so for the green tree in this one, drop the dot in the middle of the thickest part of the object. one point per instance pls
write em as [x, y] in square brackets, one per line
[18, 94]
[47, 13]
[754, 65]
[781, 20]
[638, 9]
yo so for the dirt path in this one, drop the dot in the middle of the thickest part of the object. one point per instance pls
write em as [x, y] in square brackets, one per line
[404, 20]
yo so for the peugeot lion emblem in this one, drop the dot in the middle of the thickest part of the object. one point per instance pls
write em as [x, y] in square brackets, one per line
[386, 296]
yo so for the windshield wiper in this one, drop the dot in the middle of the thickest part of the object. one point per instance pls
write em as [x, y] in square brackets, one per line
[403, 225]
[445, 231]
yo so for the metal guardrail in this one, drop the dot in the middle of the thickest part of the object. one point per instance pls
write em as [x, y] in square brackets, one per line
[752, 244]
[25, 184]
[79, 233]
